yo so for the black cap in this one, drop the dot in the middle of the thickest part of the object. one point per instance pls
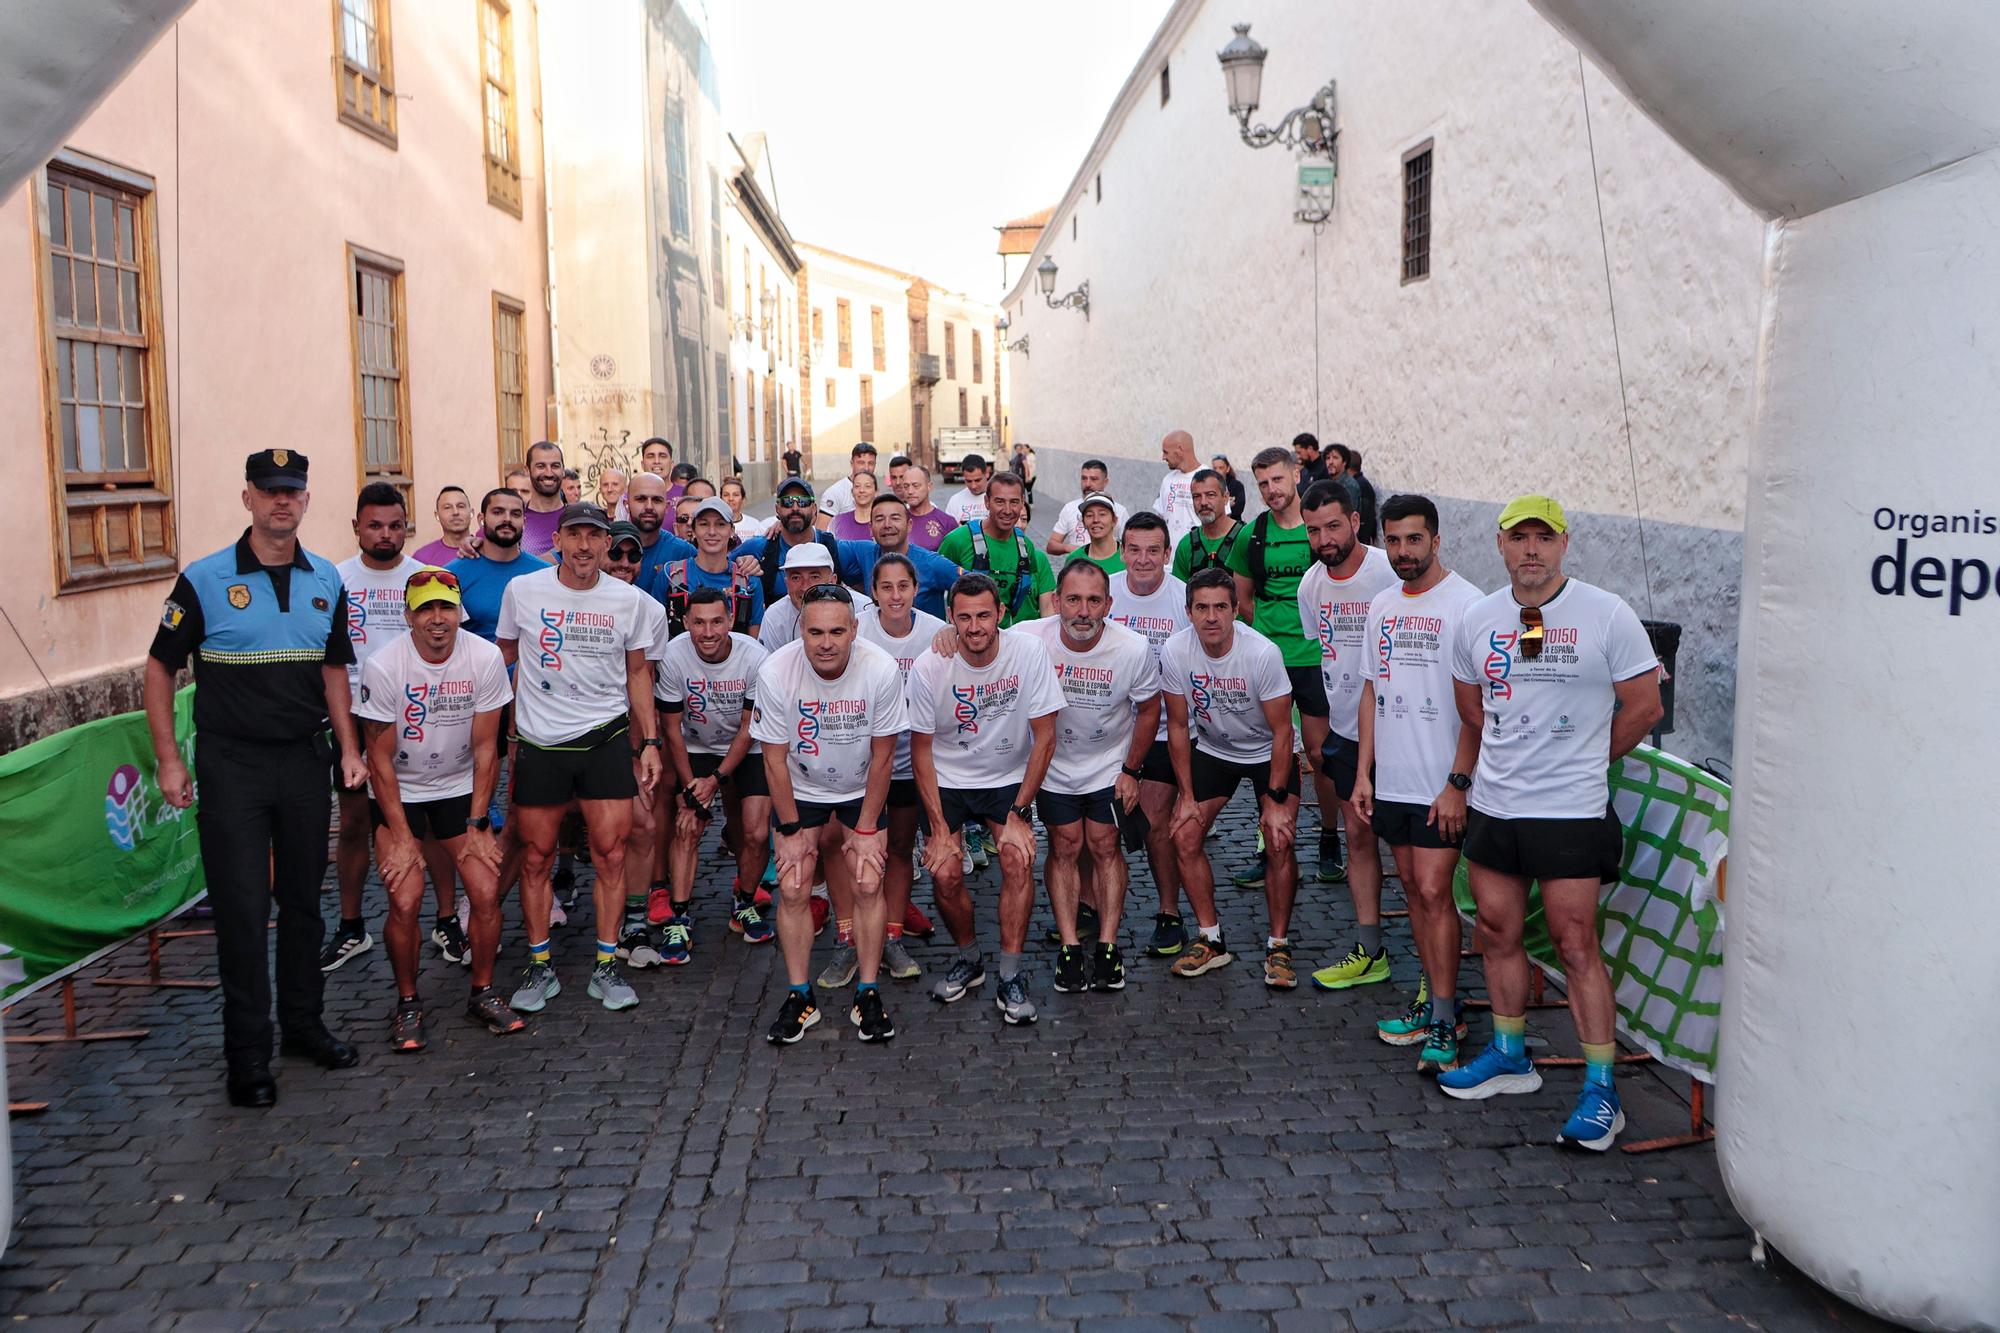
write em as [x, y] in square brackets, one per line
[584, 515]
[794, 483]
[276, 470]
[624, 530]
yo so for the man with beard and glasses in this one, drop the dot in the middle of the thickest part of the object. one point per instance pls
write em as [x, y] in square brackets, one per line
[1153, 604]
[928, 523]
[983, 730]
[1215, 540]
[454, 516]
[584, 715]
[1111, 707]
[797, 512]
[1416, 763]
[1333, 598]
[374, 579]
[828, 711]
[1561, 681]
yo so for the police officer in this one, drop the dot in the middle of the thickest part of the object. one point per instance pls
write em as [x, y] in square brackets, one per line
[264, 621]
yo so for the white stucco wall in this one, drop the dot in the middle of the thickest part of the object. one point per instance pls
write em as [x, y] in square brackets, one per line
[772, 354]
[1495, 375]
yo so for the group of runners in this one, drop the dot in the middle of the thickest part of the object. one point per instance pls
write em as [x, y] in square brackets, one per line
[858, 709]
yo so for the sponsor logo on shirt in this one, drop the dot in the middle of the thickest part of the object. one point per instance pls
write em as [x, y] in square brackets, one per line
[415, 710]
[1198, 695]
[697, 701]
[357, 616]
[965, 710]
[1325, 618]
[808, 731]
[1385, 645]
[550, 640]
[1500, 662]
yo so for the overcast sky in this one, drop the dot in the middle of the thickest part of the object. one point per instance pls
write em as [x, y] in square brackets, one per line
[904, 131]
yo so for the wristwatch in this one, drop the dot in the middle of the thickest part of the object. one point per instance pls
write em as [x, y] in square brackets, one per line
[1462, 781]
[1026, 812]
[788, 828]
[1130, 771]
[484, 824]
[651, 743]
[687, 794]
[1278, 794]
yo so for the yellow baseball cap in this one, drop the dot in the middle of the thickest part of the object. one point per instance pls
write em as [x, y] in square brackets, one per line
[431, 585]
[1540, 507]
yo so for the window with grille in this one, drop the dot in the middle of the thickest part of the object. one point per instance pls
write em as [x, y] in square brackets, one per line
[496, 62]
[381, 389]
[103, 357]
[363, 68]
[978, 360]
[510, 378]
[679, 210]
[879, 338]
[961, 408]
[843, 319]
[867, 407]
[951, 352]
[1417, 213]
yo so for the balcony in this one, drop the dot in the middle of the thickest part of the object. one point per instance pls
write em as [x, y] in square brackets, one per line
[924, 369]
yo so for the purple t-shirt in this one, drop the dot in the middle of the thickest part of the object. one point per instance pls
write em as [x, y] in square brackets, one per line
[439, 553]
[538, 531]
[850, 529]
[927, 530]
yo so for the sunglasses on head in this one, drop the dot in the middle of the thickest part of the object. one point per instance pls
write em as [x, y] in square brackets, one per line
[827, 592]
[795, 501]
[423, 578]
[1531, 632]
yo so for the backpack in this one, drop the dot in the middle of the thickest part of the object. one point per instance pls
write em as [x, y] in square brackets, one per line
[1202, 558]
[678, 585]
[1024, 564]
[772, 572]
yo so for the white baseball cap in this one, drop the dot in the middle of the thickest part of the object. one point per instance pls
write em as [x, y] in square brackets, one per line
[808, 555]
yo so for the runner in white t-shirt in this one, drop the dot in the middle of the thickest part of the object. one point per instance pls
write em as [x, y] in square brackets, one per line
[1229, 719]
[374, 579]
[969, 505]
[430, 704]
[983, 732]
[1111, 705]
[1176, 500]
[583, 712]
[1333, 600]
[1416, 763]
[828, 711]
[1561, 682]
[898, 628]
[1149, 601]
[707, 684]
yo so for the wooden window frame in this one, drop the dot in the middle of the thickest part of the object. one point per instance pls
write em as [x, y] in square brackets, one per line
[372, 108]
[503, 171]
[843, 319]
[978, 360]
[504, 305]
[725, 383]
[832, 392]
[878, 334]
[358, 258]
[100, 495]
[950, 351]
[963, 419]
[867, 413]
[1417, 230]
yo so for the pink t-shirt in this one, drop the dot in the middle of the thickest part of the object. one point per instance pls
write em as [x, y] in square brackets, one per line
[849, 529]
[927, 530]
[439, 553]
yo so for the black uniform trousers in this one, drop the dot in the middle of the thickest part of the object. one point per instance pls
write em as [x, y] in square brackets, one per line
[265, 812]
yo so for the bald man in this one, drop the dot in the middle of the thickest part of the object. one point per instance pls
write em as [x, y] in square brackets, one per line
[1176, 502]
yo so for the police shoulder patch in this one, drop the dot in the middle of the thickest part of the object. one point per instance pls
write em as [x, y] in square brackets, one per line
[239, 595]
[171, 618]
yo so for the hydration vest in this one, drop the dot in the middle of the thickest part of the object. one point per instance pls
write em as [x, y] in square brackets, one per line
[1024, 564]
[1201, 557]
[678, 586]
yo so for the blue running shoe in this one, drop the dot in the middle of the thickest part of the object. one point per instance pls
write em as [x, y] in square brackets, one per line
[1491, 1073]
[1595, 1122]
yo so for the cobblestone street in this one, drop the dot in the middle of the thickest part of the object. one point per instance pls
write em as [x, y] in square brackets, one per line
[1184, 1154]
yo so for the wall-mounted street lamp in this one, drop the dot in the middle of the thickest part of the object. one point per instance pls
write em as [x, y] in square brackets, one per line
[747, 328]
[1020, 344]
[1309, 128]
[1045, 273]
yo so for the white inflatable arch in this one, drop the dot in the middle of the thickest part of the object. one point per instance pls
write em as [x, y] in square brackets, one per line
[1859, 1114]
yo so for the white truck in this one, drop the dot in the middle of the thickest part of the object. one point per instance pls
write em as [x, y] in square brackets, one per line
[953, 443]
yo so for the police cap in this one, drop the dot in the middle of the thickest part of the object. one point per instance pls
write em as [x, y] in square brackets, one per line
[276, 470]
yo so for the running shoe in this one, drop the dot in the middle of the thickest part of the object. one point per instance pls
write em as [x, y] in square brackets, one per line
[1279, 974]
[1012, 1000]
[798, 1014]
[1332, 870]
[896, 961]
[343, 947]
[659, 905]
[1086, 926]
[1489, 1074]
[1410, 1027]
[1596, 1121]
[557, 917]
[452, 945]
[538, 986]
[1169, 935]
[965, 866]
[1359, 968]
[1202, 956]
[1250, 879]
[965, 973]
[676, 947]
[916, 925]
[983, 848]
[1107, 968]
[770, 877]
[840, 968]
[487, 1007]
[1072, 969]
[636, 947]
[608, 985]
[563, 884]
[1440, 1050]
[406, 1028]
[821, 910]
[748, 922]
[869, 1015]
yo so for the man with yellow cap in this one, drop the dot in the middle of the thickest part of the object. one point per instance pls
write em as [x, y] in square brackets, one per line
[1560, 681]
[430, 703]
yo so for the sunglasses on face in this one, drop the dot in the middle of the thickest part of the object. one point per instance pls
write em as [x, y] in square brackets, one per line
[795, 501]
[826, 592]
[1531, 632]
[423, 578]
[626, 552]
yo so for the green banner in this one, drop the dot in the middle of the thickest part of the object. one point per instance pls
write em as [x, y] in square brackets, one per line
[1661, 924]
[95, 855]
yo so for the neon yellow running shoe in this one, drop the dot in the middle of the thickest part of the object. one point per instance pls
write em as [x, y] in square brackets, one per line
[1359, 968]
[1413, 1025]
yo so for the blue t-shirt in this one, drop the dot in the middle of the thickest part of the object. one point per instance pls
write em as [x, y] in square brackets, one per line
[653, 560]
[481, 583]
[697, 577]
[935, 574]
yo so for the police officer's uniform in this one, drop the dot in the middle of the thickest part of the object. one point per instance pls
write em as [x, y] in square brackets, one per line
[259, 636]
